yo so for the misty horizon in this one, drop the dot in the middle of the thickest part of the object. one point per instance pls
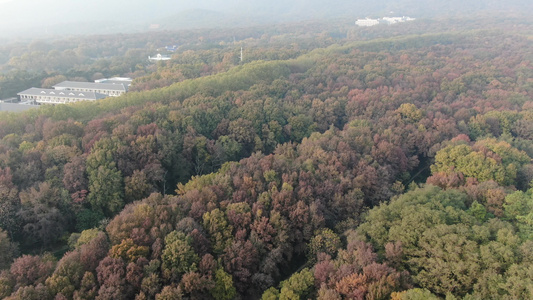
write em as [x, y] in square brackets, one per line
[43, 18]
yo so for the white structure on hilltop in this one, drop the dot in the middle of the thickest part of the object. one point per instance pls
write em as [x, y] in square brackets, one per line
[385, 20]
[367, 22]
[159, 57]
[394, 20]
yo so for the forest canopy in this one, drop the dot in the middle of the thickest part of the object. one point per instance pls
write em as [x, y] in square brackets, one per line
[388, 163]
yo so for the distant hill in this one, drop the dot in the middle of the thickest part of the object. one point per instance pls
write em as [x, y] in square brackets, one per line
[54, 16]
[202, 18]
[254, 12]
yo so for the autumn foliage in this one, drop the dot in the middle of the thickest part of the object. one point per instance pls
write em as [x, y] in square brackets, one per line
[395, 168]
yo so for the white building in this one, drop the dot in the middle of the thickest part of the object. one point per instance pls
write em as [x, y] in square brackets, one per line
[49, 96]
[367, 22]
[394, 20]
[125, 81]
[159, 57]
[74, 91]
[109, 89]
[385, 20]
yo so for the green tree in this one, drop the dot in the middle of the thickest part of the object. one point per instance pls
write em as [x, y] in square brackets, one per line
[325, 241]
[436, 236]
[106, 185]
[178, 255]
[414, 294]
[486, 160]
[298, 286]
[224, 289]
[518, 207]
[128, 251]
[220, 232]
[106, 189]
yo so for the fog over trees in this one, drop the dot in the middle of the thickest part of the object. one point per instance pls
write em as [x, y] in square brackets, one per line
[48, 17]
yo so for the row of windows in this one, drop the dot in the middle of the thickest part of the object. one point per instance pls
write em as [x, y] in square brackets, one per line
[100, 91]
[51, 99]
[36, 97]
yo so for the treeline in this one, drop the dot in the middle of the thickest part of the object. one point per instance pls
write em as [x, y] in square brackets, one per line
[43, 63]
[323, 143]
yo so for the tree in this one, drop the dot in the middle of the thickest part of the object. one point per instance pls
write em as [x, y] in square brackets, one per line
[128, 251]
[446, 246]
[29, 270]
[196, 285]
[298, 286]
[271, 294]
[178, 255]
[409, 112]
[447, 261]
[6, 284]
[223, 289]
[74, 178]
[169, 293]
[324, 241]
[8, 250]
[67, 275]
[30, 292]
[241, 261]
[486, 160]
[414, 294]
[88, 287]
[111, 274]
[9, 203]
[136, 187]
[219, 230]
[239, 215]
[517, 207]
[105, 187]
[105, 180]
[44, 214]
[51, 81]
[151, 285]
[94, 251]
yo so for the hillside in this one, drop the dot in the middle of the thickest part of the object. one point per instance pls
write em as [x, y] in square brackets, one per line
[383, 163]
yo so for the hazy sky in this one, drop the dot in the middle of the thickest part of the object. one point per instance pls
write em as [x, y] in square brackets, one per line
[45, 16]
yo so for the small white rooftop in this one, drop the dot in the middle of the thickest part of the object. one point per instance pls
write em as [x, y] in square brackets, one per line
[385, 20]
[121, 79]
[159, 57]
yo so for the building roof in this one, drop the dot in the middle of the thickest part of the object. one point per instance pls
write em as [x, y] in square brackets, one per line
[63, 94]
[367, 22]
[16, 107]
[159, 57]
[115, 80]
[90, 86]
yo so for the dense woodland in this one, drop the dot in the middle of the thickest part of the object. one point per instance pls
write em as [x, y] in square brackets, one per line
[380, 163]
